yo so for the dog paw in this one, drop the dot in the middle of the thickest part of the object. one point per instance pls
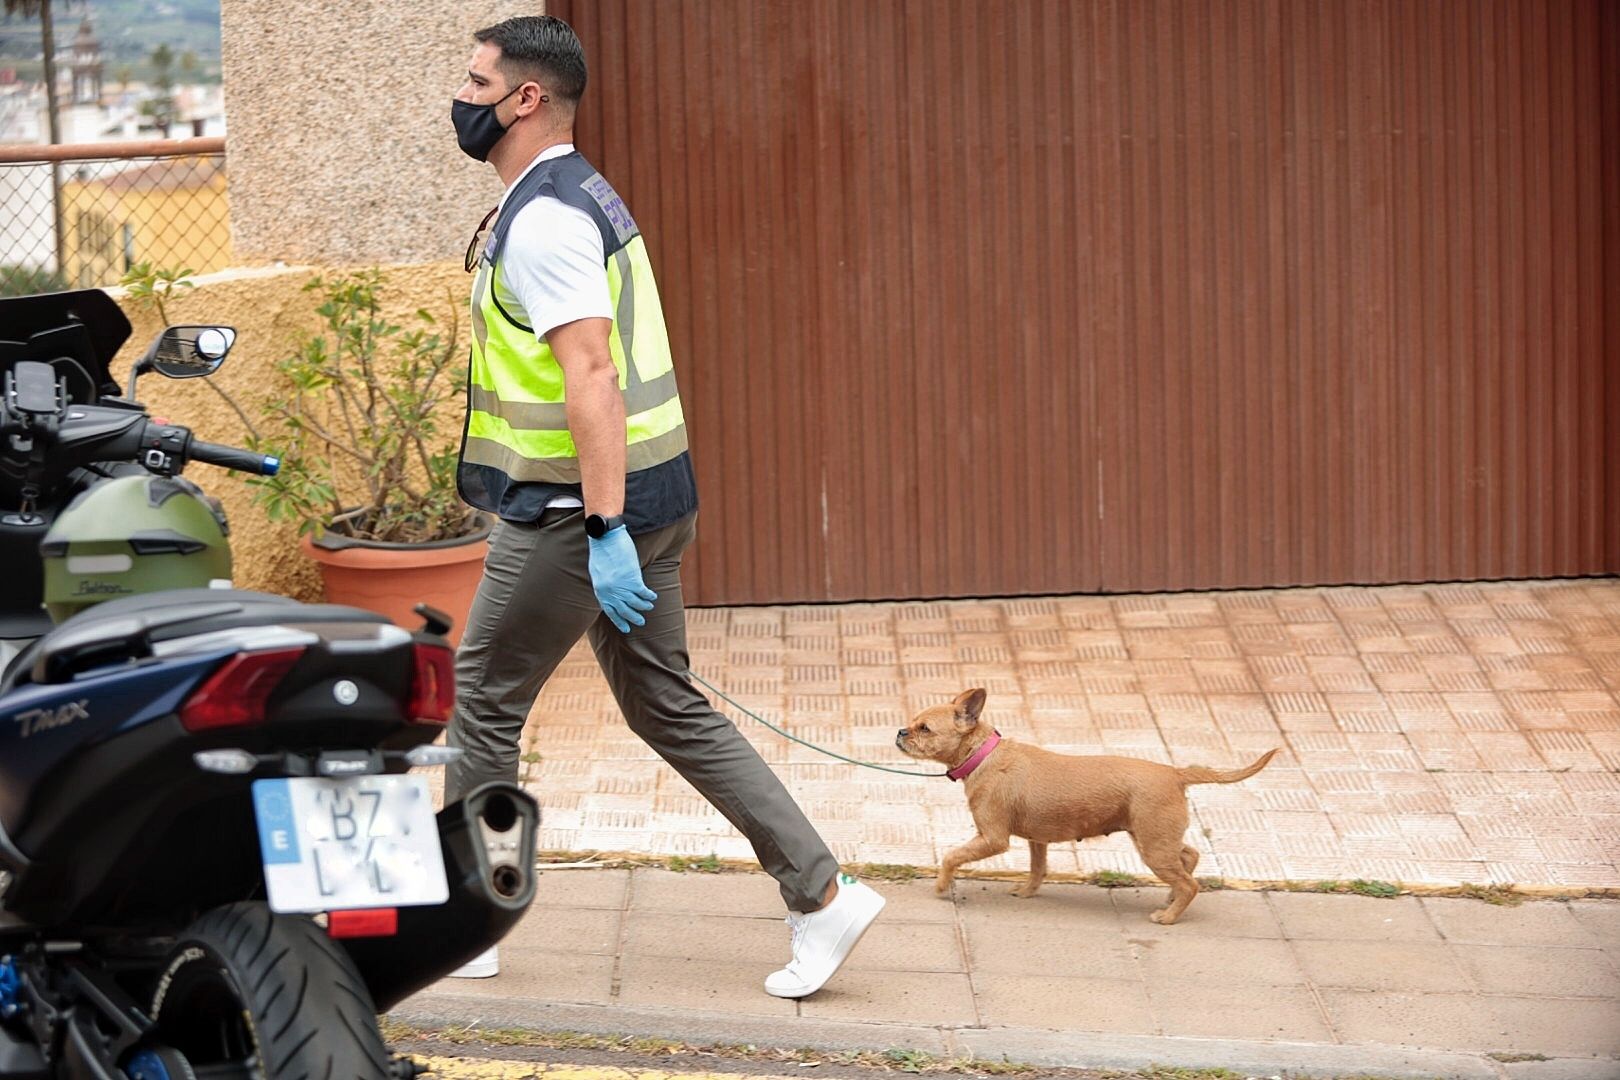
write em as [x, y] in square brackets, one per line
[1022, 892]
[942, 886]
[1160, 917]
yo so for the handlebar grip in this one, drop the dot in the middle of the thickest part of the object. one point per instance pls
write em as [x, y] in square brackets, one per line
[229, 457]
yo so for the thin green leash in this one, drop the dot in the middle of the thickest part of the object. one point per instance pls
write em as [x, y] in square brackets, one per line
[721, 694]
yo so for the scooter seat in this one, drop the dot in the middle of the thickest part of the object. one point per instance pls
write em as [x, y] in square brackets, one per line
[126, 627]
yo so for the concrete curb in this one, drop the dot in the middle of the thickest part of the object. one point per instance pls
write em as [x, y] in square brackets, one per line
[1027, 1045]
[439, 1009]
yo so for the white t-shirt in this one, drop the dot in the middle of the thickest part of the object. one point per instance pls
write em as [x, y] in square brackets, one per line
[552, 267]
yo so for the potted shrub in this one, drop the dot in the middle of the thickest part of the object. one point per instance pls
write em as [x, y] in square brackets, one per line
[368, 474]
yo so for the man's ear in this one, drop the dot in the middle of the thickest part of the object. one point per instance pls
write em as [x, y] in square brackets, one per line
[531, 95]
[968, 705]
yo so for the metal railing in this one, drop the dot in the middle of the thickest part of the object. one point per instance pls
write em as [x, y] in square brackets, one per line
[82, 215]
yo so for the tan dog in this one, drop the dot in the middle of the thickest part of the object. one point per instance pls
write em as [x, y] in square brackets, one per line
[1047, 798]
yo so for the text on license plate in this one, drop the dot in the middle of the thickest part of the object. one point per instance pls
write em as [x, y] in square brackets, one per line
[354, 842]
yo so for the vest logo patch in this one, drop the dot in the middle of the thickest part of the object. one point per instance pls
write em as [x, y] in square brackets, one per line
[618, 215]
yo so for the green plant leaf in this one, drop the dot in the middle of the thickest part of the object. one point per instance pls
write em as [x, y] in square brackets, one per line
[361, 427]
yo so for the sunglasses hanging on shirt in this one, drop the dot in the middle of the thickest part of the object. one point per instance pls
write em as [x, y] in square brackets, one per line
[473, 249]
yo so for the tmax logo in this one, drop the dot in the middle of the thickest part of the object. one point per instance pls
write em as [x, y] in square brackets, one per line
[34, 721]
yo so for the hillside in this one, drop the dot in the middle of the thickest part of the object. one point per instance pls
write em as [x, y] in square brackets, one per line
[128, 30]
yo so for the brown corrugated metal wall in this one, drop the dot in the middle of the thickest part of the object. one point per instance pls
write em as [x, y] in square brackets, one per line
[1609, 140]
[1049, 297]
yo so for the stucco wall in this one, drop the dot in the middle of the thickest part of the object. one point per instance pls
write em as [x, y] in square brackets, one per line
[269, 310]
[341, 148]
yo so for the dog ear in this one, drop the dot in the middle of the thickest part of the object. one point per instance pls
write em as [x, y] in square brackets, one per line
[969, 704]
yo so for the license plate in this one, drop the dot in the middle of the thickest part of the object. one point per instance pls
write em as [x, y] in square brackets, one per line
[355, 842]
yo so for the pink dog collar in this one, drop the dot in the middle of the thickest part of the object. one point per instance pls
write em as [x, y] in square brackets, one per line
[961, 771]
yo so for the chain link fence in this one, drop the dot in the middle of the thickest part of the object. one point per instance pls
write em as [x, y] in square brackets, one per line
[79, 217]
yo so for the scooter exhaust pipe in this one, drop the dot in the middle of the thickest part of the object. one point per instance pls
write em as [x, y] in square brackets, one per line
[488, 840]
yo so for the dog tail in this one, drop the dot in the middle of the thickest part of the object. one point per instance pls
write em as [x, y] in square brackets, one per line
[1198, 774]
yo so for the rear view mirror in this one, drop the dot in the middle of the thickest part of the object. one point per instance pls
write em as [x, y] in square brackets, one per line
[185, 352]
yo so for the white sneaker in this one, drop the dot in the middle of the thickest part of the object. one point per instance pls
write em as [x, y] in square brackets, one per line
[823, 939]
[482, 966]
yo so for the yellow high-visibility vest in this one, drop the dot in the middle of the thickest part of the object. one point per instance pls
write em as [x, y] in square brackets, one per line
[517, 422]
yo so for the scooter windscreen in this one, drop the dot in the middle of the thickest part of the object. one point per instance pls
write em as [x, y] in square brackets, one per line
[78, 333]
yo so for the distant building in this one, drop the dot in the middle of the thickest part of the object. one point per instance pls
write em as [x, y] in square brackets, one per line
[85, 66]
[89, 111]
[174, 212]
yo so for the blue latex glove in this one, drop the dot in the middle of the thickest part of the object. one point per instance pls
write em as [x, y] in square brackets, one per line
[616, 577]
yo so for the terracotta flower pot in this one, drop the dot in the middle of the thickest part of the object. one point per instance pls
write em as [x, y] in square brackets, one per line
[393, 578]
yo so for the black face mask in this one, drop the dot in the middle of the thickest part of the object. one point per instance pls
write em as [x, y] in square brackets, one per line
[478, 129]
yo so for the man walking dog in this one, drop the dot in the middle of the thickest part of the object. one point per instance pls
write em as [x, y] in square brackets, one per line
[576, 442]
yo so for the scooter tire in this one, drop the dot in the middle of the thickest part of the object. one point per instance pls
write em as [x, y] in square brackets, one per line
[270, 993]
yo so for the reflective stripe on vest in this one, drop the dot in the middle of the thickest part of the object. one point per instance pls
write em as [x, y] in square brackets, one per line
[518, 421]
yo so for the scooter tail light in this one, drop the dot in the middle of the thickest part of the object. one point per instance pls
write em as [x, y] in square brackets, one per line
[237, 693]
[433, 684]
[363, 922]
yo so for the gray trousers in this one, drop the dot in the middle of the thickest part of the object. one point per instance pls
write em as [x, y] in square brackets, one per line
[533, 604]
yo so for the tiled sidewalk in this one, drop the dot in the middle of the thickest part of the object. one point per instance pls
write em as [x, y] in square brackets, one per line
[1431, 734]
[1326, 985]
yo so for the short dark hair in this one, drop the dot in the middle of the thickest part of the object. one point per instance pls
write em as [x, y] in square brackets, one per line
[542, 48]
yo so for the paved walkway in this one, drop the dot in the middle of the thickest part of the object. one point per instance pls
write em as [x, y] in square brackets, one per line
[1257, 982]
[1430, 735]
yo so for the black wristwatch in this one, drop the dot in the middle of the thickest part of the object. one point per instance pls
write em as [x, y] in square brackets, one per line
[597, 526]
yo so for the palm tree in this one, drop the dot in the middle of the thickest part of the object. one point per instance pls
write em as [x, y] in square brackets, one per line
[29, 9]
[47, 34]
[161, 107]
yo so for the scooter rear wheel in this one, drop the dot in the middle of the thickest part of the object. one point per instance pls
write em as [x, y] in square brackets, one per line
[267, 996]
